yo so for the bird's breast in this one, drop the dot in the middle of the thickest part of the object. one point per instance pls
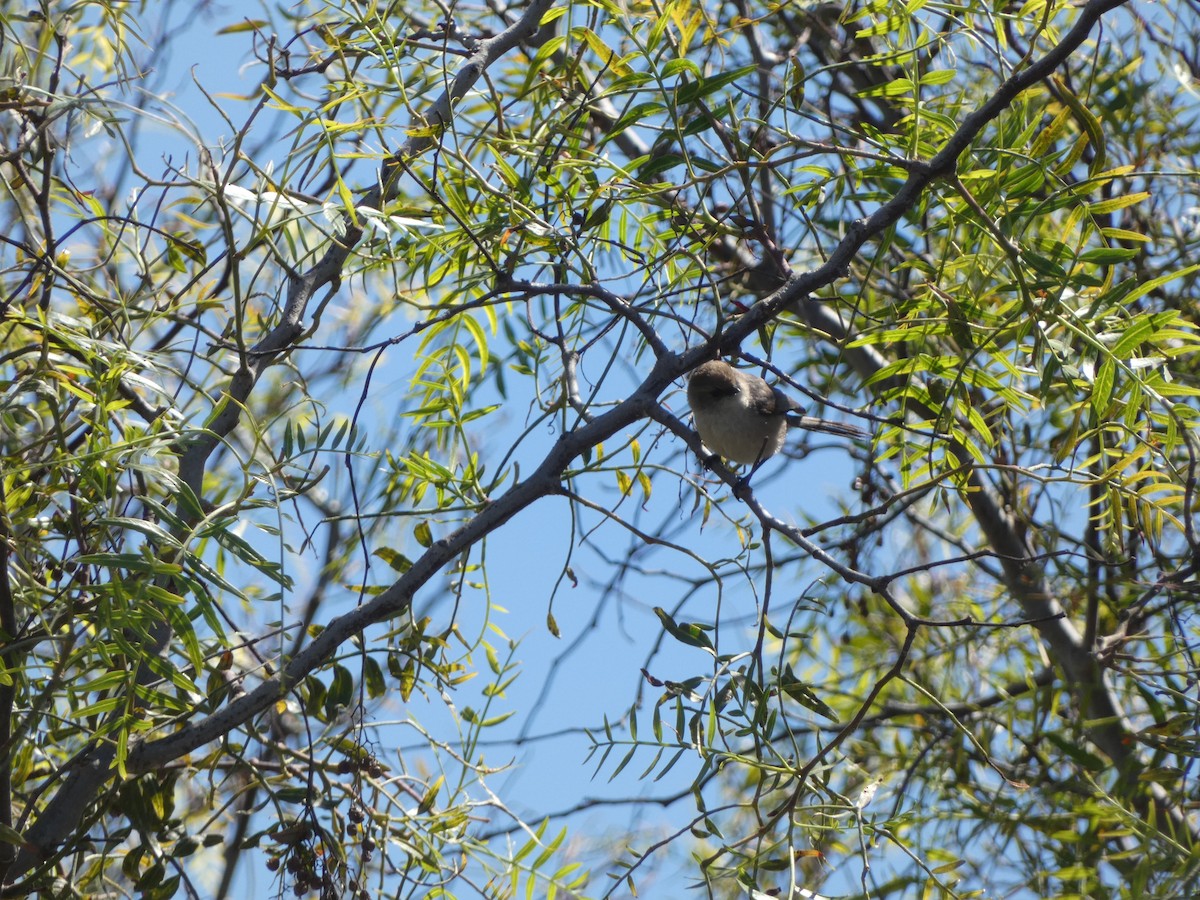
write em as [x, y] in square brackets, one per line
[737, 432]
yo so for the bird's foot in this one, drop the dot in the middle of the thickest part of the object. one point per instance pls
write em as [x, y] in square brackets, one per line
[741, 487]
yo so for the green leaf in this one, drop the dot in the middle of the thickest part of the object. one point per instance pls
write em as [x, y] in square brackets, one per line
[804, 695]
[703, 87]
[245, 25]
[1109, 255]
[394, 558]
[685, 632]
[373, 678]
[675, 66]
[423, 534]
[608, 57]
[1102, 387]
[341, 693]
[1138, 331]
[1155, 283]
[631, 116]
[938, 77]
[897, 87]
[1101, 207]
[429, 798]
[660, 164]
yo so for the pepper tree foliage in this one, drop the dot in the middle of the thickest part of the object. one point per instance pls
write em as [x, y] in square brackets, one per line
[273, 385]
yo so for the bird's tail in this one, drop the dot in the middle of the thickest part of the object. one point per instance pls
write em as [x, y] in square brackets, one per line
[812, 423]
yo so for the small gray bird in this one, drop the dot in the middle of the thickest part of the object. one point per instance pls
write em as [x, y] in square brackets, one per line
[744, 419]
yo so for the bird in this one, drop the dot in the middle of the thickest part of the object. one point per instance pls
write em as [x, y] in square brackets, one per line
[744, 419]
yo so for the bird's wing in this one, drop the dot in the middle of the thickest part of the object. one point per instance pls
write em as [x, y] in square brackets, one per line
[782, 404]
